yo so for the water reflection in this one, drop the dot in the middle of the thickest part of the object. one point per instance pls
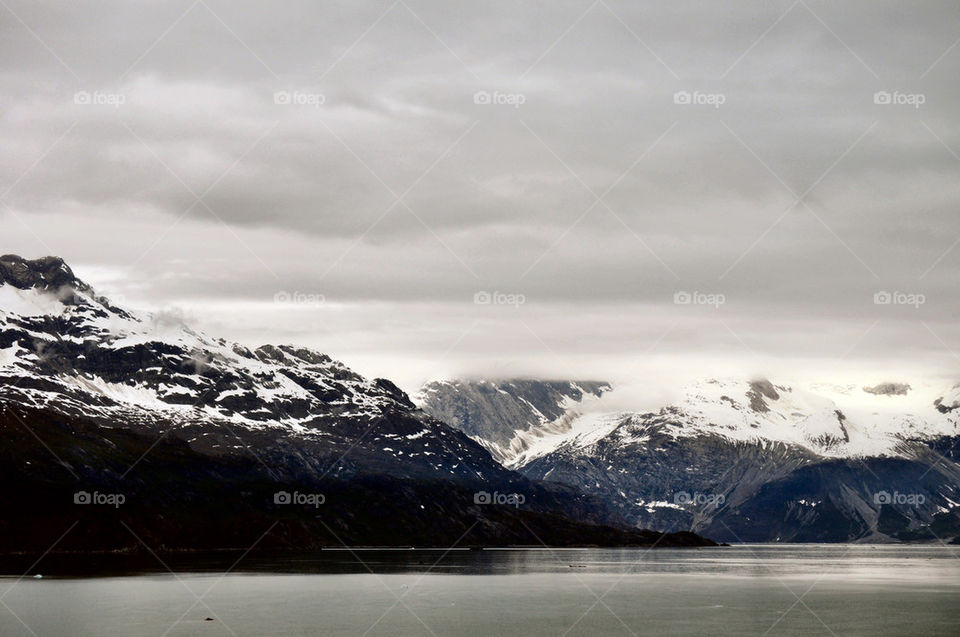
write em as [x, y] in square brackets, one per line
[863, 562]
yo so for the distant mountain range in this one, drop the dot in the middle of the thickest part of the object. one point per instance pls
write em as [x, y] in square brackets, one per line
[145, 432]
[736, 460]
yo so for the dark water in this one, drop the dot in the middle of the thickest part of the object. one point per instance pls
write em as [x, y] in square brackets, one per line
[740, 590]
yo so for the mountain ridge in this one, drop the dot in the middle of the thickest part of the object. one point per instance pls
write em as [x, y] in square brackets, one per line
[96, 399]
[729, 454]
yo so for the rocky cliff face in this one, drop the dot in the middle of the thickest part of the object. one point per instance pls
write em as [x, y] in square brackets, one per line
[508, 416]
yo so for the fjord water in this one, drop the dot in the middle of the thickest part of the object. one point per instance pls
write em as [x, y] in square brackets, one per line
[738, 590]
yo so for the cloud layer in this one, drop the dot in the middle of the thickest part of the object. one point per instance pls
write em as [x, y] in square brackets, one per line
[598, 159]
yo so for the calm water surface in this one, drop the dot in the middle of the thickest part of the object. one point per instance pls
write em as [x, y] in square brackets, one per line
[739, 590]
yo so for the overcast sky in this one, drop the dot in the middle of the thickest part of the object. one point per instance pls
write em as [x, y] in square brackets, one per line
[350, 175]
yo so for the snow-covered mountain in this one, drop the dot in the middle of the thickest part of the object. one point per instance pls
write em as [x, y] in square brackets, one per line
[198, 434]
[511, 416]
[64, 349]
[755, 460]
[828, 420]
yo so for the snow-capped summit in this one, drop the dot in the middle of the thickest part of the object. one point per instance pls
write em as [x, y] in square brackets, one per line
[829, 420]
[57, 329]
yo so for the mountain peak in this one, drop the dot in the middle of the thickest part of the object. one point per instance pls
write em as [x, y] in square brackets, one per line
[45, 273]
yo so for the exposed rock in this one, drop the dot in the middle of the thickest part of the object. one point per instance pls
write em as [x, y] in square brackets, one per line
[760, 389]
[47, 273]
[888, 389]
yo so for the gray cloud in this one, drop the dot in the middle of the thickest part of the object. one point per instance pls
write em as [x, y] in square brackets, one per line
[304, 197]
